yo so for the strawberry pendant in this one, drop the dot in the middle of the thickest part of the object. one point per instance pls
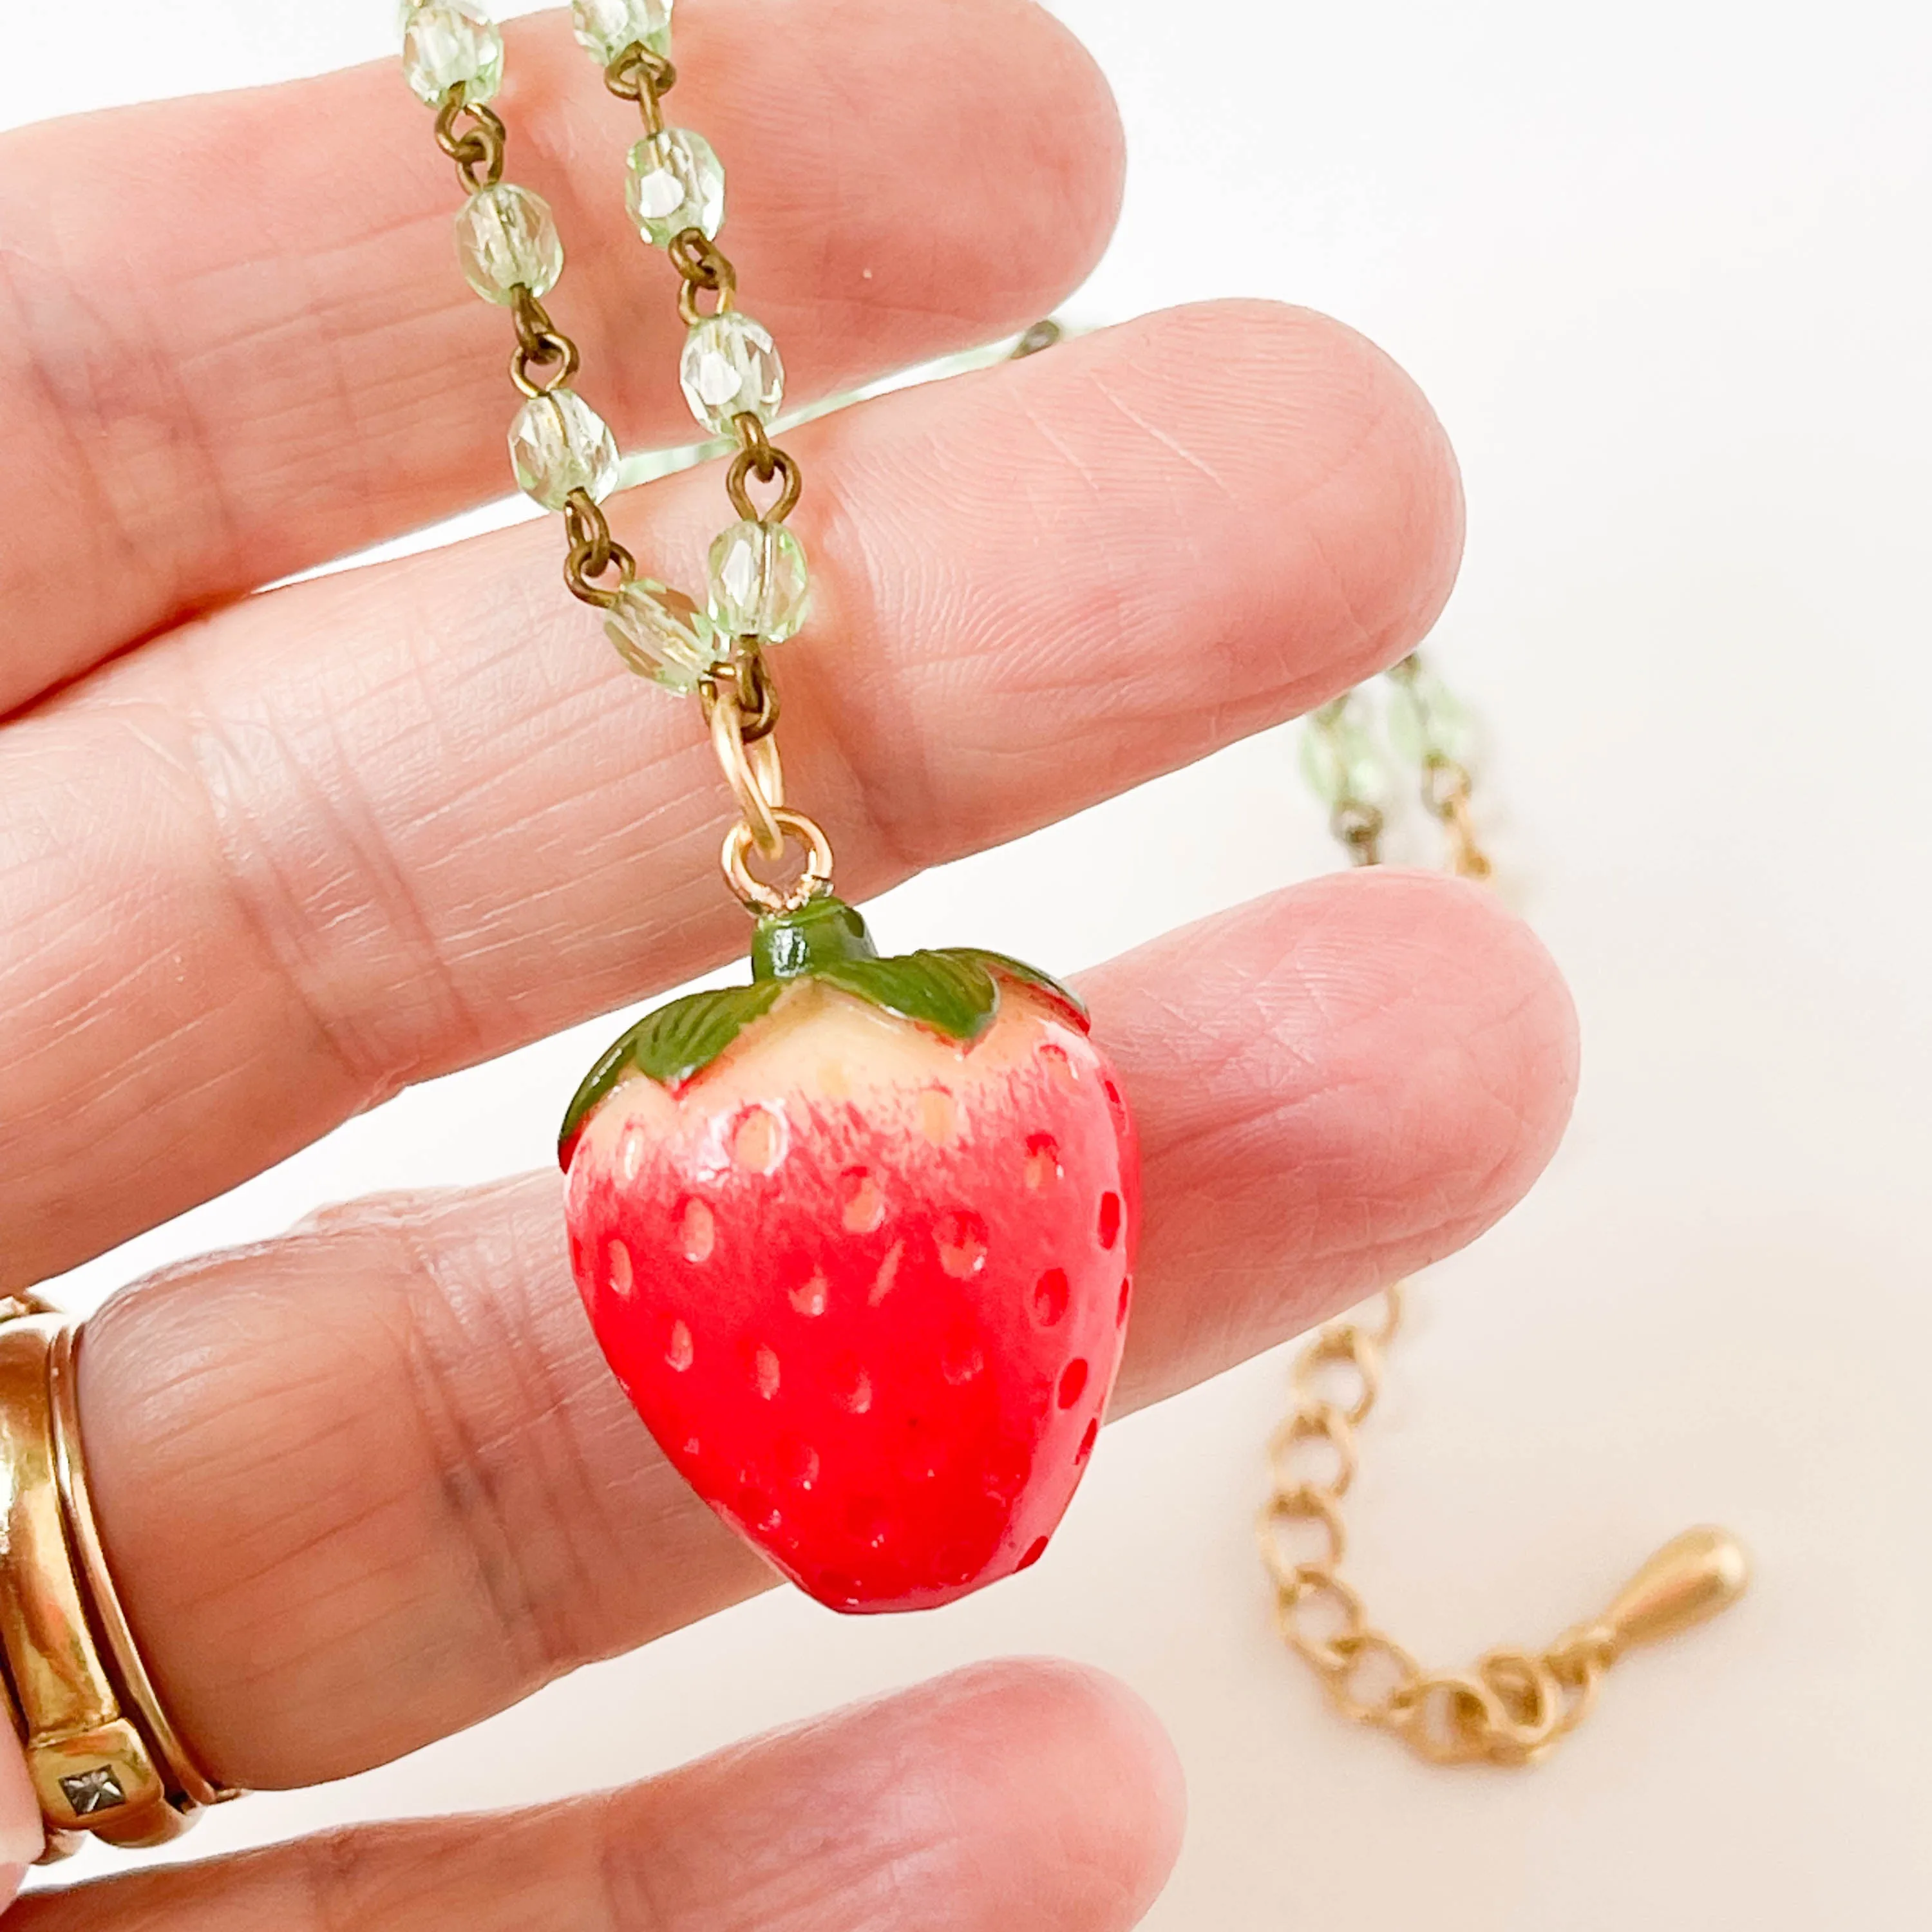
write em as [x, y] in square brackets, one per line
[858, 1240]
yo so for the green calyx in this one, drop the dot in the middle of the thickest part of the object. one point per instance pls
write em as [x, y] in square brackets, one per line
[823, 932]
[955, 993]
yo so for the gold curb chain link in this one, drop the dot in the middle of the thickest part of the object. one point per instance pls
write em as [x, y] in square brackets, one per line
[1514, 1706]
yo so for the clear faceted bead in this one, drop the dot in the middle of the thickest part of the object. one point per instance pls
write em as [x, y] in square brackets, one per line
[760, 585]
[677, 182]
[1427, 719]
[606, 27]
[731, 368]
[558, 443]
[1338, 756]
[506, 235]
[662, 635]
[450, 43]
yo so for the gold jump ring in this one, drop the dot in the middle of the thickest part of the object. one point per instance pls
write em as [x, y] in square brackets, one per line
[759, 897]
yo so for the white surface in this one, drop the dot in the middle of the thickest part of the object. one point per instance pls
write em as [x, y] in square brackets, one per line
[1663, 269]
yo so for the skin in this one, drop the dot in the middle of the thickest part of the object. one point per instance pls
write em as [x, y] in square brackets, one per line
[266, 860]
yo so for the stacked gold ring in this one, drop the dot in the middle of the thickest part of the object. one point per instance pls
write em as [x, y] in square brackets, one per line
[104, 1757]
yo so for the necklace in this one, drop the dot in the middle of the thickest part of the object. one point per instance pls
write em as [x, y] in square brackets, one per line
[1514, 1706]
[856, 1237]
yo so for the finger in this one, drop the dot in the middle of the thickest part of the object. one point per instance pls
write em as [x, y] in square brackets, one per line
[23, 1836]
[258, 876]
[1010, 1797]
[262, 355]
[392, 1435]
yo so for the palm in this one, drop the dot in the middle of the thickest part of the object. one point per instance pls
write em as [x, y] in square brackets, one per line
[265, 860]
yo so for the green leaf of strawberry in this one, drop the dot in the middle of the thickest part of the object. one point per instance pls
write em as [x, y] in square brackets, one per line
[1063, 997]
[951, 992]
[955, 992]
[673, 1043]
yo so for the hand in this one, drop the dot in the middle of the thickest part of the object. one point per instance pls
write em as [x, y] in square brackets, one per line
[266, 860]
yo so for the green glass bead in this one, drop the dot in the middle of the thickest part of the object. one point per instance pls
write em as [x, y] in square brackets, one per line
[450, 43]
[1427, 719]
[662, 635]
[605, 28]
[760, 583]
[1338, 757]
[558, 444]
[677, 182]
[731, 368]
[506, 235]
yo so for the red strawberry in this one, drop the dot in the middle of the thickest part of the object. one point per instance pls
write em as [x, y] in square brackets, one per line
[857, 1239]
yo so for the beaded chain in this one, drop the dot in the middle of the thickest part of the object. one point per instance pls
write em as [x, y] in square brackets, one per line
[562, 453]
[1514, 1706]
[1430, 729]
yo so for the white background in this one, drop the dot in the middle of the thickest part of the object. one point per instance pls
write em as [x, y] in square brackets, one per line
[1663, 269]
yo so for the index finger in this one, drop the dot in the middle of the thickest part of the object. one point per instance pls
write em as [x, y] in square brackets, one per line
[263, 356]
[266, 872]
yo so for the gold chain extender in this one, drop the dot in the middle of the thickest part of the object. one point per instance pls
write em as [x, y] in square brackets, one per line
[564, 455]
[1513, 1706]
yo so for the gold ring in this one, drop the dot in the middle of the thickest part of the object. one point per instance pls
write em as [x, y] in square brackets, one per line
[756, 895]
[189, 1779]
[103, 1755]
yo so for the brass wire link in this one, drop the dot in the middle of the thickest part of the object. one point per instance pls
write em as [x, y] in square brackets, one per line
[545, 358]
[480, 145]
[741, 705]
[1446, 789]
[757, 457]
[541, 345]
[1513, 1707]
[640, 75]
[593, 551]
[702, 269]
